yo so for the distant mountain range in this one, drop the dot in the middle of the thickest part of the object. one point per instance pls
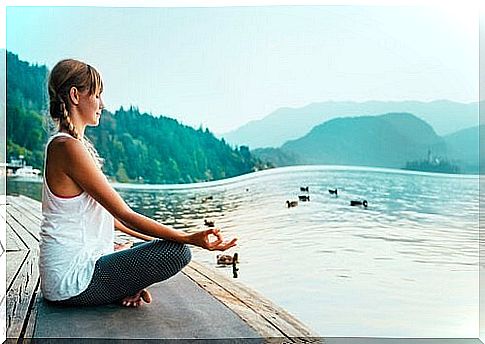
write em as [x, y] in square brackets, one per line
[160, 150]
[463, 146]
[287, 124]
[389, 140]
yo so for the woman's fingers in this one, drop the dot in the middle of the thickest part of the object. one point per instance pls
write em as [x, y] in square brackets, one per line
[214, 231]
[212, 244]
[202, 239]
[225, 245]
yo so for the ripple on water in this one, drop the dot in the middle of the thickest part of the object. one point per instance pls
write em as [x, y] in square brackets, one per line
[333, 259]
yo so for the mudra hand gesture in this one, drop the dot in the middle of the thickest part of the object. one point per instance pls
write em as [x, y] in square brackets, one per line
[204, 239]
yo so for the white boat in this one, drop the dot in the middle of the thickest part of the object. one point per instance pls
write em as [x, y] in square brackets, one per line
[27, 173]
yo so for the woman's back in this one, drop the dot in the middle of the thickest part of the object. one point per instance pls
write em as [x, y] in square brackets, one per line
[75, 232]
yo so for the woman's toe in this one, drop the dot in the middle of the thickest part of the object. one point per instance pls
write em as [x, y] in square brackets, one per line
[146, 296]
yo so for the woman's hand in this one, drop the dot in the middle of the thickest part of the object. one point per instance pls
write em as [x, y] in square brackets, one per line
[202, 239]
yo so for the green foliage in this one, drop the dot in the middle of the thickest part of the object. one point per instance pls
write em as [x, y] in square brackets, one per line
[135, 146]
[161, 150]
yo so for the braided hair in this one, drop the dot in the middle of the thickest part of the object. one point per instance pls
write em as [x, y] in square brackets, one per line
[65, 75]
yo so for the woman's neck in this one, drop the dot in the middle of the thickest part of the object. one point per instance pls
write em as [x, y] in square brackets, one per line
[80, 133]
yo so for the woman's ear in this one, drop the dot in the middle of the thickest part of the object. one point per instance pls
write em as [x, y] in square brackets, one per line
[74, 96]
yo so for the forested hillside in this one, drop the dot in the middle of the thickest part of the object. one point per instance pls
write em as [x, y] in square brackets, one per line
[135, 146]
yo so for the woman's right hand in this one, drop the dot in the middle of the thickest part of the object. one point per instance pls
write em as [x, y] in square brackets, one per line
[202, 239]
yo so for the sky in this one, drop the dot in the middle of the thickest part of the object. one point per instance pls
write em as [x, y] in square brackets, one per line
[221, 67]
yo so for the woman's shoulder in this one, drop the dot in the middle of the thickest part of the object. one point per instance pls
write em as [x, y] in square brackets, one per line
[66, 147]
[64, 142]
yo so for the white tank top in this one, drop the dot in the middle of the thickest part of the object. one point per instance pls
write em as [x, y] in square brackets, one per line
[75, 232]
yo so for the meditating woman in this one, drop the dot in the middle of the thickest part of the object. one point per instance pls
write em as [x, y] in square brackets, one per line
[78, 264]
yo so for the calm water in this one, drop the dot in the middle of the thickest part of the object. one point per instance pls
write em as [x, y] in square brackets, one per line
[405, 266]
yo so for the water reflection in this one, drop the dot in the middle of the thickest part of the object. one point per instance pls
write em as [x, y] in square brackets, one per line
[185, 210]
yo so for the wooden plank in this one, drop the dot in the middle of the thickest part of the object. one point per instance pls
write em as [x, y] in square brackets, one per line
[17, 220]
[277, 316]
[13, 241]
[24, 206]
[21, 295]
[249, 316]
[22, 267]
[27, 213]
[28, 240]
[31, 205]
[31, 321]
[35, 204]
[15, 260]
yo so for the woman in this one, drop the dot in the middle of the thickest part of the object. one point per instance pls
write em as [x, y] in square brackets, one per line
[81, 209]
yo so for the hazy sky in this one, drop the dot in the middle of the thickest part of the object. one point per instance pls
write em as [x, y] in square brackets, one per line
[222, 67]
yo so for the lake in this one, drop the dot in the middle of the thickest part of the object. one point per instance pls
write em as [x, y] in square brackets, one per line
[405, 266]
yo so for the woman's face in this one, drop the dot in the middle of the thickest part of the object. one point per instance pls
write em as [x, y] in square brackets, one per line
[90, 107]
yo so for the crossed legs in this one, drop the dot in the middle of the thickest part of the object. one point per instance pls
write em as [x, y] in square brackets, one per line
[122, 276]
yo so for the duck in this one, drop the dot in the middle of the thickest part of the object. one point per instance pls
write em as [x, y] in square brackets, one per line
[304, 198]
[356, 203]
[304, 188]
[291, 204]
[205, 199]
[208, 223]
[333, 192]
[225, 259]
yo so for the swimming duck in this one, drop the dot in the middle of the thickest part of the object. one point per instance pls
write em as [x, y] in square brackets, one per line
[291, 204]
[356, 203]
[208, 223]
[304, 198]
[225, 259]
[304, 188]
[333, 192]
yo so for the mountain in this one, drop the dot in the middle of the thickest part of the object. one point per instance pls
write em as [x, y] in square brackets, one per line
[388, 140]
[291, 123]
[135, 146]
[278, 157]
[139, 146]
[463, 146]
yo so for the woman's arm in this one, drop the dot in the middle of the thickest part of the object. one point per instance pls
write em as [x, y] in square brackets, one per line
[129, 231]
[80, 167]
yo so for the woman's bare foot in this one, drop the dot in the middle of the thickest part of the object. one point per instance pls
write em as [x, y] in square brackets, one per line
[123, 246]
[135, 300]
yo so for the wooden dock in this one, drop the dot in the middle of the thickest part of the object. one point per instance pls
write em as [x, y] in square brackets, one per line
[211, 307]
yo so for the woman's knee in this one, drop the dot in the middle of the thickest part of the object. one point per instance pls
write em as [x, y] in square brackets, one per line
[178, 253]
[184, 255]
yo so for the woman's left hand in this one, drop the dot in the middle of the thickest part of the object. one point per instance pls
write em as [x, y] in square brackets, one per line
[202, 239]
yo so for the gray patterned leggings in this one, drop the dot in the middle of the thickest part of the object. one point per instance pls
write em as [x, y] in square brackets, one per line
[124, 273]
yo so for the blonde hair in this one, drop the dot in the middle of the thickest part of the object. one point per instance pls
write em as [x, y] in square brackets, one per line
[65, 75]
